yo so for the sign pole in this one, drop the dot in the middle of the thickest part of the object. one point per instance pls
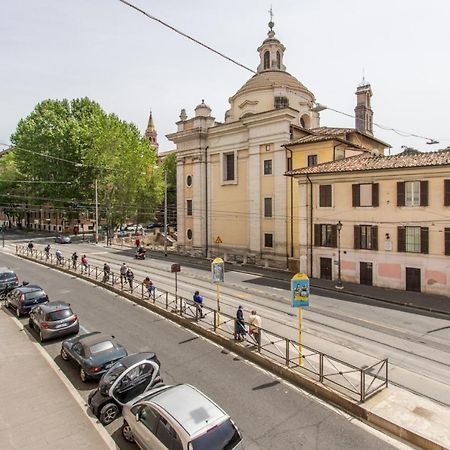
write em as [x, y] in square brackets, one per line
[217, 274]
[218, 304]
[300, 359]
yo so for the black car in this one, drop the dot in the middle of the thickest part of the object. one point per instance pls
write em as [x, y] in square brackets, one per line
[8, 280]
[94, 353]
[25, 298]
[125, 380]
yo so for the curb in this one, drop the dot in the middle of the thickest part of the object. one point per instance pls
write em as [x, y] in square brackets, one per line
[323, 392]
[109, 441]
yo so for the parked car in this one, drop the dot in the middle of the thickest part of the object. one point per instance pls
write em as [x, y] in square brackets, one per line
[94, 353]
[150, 226]
[61, 239]
[8, 280]
[128, 378]
[53, 319]
[25, 298]
[179, 417]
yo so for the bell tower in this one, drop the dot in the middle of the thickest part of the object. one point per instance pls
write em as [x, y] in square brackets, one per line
[363, 110]
[150, 133]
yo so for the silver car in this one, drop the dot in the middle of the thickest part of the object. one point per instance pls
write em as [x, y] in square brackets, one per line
[178, 417]
[53, 320]
[61, 239]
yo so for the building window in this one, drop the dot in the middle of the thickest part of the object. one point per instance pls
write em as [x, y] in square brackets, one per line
[312, 160]
[267, 167]
[446, 192]
[189, 234]
[189, 180]
[366, 237]
[189, 207]
[228, 167]
[266, 60]
[325, 195]
[281, 102]
[268, 240]
[412, 239]
[366, 194]
[325, 235]
[267, 207]
[412, 193]
[447, 241]
[267, 146]
[278, 59]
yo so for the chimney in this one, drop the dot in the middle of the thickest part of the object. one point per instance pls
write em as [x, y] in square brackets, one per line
[363, 111]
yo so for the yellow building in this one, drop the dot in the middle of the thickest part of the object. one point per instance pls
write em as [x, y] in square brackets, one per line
[386, 219]
[233, 199]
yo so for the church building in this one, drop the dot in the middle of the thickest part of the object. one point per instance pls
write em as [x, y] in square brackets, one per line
[233, 198]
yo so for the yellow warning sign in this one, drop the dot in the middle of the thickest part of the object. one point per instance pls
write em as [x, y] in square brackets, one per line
[218, 240]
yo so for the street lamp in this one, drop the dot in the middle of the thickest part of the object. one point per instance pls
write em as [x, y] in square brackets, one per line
[339, 281]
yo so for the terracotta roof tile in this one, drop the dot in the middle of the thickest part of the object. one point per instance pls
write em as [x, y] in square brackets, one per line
[366, 161]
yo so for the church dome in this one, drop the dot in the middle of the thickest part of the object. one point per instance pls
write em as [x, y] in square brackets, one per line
[270, 80]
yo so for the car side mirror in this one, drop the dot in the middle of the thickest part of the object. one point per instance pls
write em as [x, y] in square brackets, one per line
[137, 416]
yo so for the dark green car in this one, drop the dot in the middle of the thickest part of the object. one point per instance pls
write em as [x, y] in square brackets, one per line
[94, 353]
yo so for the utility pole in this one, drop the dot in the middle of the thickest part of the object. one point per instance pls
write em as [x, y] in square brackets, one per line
[96, 212]
[165, 212]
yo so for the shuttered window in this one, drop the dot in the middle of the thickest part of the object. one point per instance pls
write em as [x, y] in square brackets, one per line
[366, 237]
[228, 167]
[325, 195]
[447, 241]
[365, 194]
[412, 193]
[189, 207]
[413, 239]
[325, 235]
[446, 192]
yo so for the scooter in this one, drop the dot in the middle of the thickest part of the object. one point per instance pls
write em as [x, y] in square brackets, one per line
[138, 255]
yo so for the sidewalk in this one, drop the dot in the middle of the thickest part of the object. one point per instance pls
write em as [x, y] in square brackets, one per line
[37, 410]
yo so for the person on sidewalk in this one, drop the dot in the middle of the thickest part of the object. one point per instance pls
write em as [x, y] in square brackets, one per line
[255, 323]
[137, 242]
[198, 300]
[84, 262]
[59, 257]
[47, 251]
[74, 260]
[148, 284]
[123, 273]
[239, 331]
[106, 272]
[130, 278]
[30, 247]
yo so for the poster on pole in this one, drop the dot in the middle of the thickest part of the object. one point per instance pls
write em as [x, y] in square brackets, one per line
[217, 270]
[300, 290]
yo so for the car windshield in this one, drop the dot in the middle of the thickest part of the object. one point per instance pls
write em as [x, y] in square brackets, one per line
[6, 275]
[59, 315]
[101, 347]
[30, 297]
[112, 374]
[223, 437]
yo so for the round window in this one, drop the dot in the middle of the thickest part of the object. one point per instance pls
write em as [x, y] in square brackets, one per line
[189, 234]
[189, 180]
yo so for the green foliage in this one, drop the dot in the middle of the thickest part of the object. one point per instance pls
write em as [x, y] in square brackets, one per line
[169, 164]
[76, 141]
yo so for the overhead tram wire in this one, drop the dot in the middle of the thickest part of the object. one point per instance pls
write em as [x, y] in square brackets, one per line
[234, 61]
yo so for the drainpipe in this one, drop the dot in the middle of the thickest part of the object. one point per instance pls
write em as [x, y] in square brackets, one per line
[311, 226]
[292, 207]
[206, 202]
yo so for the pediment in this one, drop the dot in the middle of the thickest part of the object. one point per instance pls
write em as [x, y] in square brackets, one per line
[248, 103]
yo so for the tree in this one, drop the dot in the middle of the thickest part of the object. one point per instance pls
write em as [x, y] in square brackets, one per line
[76, 141]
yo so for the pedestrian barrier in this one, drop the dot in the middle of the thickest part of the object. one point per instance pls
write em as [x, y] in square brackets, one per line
[357, 383]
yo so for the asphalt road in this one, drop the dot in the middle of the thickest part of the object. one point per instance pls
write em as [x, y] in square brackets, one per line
[270, 413]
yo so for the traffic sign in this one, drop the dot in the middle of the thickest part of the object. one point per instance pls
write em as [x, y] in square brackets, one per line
[300, 290]
[217, 270]
[218, 240]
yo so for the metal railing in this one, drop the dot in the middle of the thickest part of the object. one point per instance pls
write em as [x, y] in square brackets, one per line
[357, 383]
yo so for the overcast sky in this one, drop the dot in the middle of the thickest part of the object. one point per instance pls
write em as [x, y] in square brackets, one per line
[108, 52]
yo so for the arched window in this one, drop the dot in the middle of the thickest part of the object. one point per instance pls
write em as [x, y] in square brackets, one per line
[305, 121]
[267, 60]
[278, 59]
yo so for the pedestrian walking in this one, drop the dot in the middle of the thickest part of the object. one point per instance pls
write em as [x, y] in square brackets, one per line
[106, 272]
[148, 284]
[47, 251]
[30, 247]
[74, 260]
[59, 257]
[130, 278]
[239, 330]
[255, 323]
[198, 300]
[84, 262]
[123, 273]
[137, 242]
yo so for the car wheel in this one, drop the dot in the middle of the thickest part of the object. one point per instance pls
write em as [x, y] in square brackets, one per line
[18, 312]
[127, 433]
[41, 336]
[83, 375]
[108, 413]
[64, 355]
